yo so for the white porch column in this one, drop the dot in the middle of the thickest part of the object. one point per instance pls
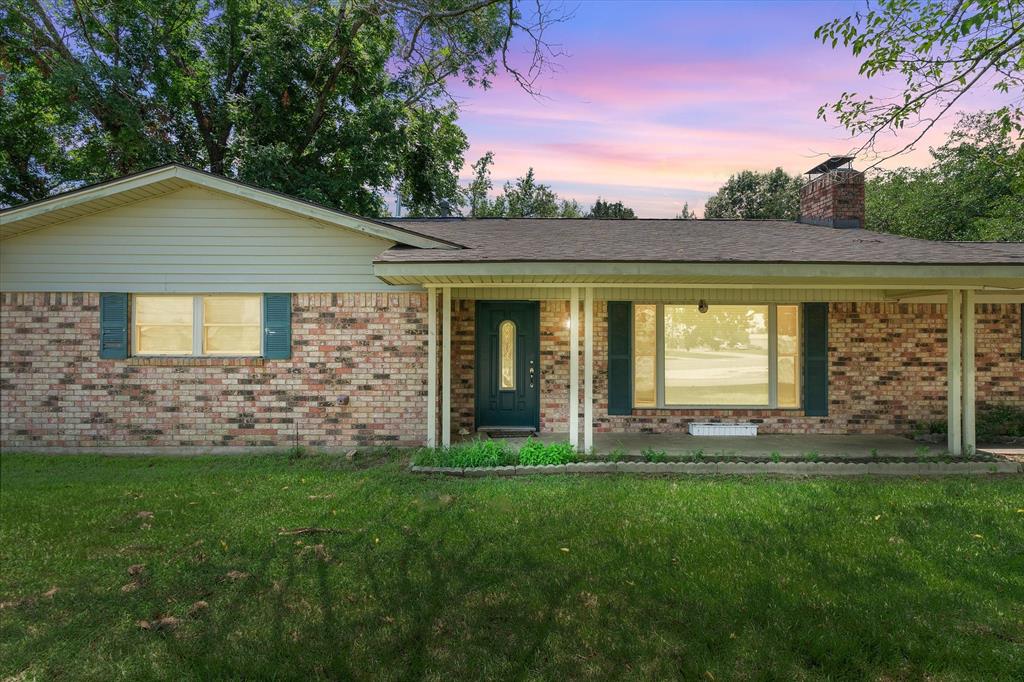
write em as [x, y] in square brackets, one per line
[574, 367]
[953, 385]
[446, 367]
[588, 369]
[968, 362]
[431, 367]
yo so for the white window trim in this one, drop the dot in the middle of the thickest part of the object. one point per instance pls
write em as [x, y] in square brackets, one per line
[773, 365]
[197, 329]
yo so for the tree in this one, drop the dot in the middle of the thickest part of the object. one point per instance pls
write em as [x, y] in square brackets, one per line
[750, 195]
[686, 213]
[476, 194]
[522, 198]
[606, 209]
[336, 101]
[974, 188]
[941, 49]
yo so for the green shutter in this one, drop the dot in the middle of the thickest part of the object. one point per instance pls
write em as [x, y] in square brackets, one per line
[620, 357]
[277, 326]
[815, 317]
[114, 326]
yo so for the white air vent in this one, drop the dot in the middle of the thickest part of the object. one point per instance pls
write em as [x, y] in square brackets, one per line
[716, 429]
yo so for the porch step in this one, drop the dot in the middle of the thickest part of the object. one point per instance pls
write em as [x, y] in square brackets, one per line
[507, 431]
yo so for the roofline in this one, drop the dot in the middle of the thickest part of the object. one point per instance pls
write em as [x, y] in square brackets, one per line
[237, 188]
[714, 263]
[939, 275]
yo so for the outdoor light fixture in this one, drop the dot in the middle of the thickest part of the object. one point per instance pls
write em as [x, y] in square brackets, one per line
[702, 306]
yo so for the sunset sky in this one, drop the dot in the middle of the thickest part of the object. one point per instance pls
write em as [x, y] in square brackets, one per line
[657, 103]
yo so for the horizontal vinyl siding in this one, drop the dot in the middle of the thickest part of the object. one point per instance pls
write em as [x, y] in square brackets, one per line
[192, 240]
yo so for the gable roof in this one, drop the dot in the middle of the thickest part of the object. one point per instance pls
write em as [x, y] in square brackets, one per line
[521, 240]
[171, 177]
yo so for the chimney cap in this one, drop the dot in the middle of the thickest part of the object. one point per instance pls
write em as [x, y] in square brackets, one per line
[832, 164]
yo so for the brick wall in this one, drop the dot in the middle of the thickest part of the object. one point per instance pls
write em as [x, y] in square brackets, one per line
[887, 365]
[370, 348]
[887, 372]
[834, 196]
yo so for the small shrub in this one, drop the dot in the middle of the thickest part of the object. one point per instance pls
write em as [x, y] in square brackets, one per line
[617, 455]
[776, 457]
[652, 455]
[476, 453]
[535, 453]
[812, 456]
[874, 453]
[698, 455]
[1000, 421]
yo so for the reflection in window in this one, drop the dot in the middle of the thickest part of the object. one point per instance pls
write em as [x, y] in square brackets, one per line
[163, 325]
[716, 358]
[787, 325]
[507, 344]
[231, 325]
[645, 355]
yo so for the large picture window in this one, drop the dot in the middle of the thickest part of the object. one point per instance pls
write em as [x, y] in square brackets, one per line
[729, 355]
[227, 325]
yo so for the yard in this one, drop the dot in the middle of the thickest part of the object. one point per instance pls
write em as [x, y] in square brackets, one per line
[542, 577]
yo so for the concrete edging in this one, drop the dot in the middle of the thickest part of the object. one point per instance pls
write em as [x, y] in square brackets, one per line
[738, 468]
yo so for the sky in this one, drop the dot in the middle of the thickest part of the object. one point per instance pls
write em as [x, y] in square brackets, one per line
[657, 103]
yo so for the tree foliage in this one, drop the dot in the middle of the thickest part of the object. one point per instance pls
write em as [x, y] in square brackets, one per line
[336, 101]
[523, 197]
[974, 189]
[686, 213]
[606, 209]
[752, 195]
[941, 49]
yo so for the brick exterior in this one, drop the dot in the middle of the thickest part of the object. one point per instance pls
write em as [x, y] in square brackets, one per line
[887, 371]
[358, 375]
[834, 196]
[368, 348]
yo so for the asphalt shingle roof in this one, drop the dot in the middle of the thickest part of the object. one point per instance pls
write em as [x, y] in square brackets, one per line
[683, 241]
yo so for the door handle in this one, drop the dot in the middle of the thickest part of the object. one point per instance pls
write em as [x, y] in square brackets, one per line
[532, 372]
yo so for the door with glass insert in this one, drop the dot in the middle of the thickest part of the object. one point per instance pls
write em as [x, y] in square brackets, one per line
[507, 364]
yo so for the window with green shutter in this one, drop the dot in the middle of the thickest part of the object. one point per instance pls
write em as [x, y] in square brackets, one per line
[113, 326]
[277, 326]
[816, 359]
[620, 351]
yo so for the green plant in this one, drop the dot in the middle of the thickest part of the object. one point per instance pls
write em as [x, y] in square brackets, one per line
[812, 456]
[921, 451]
[698, 455]
[535, 453]
[617, 455]
[1000, 421]
[776, 457]
[874, 453]
[652, 455]
[475, 453]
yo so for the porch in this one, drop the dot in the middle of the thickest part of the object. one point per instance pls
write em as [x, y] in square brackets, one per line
[920, 367]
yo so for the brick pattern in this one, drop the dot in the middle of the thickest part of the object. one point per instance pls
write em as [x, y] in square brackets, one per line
[887, 371]
[357, 377]
[834, 196]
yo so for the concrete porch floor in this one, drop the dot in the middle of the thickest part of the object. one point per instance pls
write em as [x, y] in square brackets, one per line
[787, 446]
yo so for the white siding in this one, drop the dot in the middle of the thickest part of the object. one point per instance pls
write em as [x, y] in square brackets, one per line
[192, 241]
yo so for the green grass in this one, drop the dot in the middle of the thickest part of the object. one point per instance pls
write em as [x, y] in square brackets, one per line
[555, 577]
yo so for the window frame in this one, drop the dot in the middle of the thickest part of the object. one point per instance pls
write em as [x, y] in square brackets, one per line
[773, 362]
[197, 327]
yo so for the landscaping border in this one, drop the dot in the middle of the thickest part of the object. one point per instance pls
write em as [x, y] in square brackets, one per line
[740, 468]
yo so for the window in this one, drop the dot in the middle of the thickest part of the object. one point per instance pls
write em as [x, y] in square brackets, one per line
[736, 355]
[197, 325]
[507, 341]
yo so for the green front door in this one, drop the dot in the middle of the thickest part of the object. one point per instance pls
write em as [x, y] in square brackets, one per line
[508, 364]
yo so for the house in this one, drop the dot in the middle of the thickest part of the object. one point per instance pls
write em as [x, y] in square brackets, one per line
[176, 309]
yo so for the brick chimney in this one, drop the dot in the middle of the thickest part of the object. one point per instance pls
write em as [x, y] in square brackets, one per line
[833, 195]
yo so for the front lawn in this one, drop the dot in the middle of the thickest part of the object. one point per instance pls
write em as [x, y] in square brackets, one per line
[541, 577]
